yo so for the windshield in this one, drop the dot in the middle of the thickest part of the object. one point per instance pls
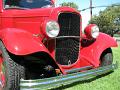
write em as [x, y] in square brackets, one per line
[28, 3]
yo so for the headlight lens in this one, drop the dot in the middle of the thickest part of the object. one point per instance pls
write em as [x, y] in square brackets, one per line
[52, 28]
[95, 31]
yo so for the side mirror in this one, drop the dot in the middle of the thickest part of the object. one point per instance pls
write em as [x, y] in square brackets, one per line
[91, 31]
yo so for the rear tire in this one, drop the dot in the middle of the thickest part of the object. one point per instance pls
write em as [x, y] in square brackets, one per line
[12, 71]
[107, 57]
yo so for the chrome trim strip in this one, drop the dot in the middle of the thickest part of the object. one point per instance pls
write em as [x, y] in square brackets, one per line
[78, 69]
[68, 37]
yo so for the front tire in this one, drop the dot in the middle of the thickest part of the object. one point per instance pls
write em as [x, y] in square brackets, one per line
[106, 57]
[10, 71]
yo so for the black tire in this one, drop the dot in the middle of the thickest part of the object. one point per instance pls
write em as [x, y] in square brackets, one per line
[13, 71]
[107, 57]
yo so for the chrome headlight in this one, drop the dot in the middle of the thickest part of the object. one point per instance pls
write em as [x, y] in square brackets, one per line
[52, 28]
[92, 31]
[95, 31]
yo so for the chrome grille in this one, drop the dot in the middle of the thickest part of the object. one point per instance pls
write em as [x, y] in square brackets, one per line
[67, 47]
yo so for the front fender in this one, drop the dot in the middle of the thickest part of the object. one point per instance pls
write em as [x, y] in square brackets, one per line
[93, 51]
[21, 42]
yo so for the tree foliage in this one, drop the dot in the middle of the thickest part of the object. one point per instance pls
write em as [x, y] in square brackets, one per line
[108, 20]
[70, 4]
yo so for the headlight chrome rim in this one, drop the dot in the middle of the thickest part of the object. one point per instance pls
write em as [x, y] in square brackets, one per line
[52, 29]
[95, 31]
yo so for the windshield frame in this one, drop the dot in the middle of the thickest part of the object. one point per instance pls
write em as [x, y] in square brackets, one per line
[8, 6]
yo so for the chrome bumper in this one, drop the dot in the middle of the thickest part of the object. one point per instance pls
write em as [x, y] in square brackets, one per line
[54, 82]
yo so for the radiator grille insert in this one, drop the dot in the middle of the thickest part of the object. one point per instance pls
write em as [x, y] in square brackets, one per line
[67, 48]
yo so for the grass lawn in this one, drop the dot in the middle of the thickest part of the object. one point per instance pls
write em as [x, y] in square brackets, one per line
[108, 82]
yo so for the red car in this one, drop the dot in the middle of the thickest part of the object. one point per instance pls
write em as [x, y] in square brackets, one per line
[42, 46]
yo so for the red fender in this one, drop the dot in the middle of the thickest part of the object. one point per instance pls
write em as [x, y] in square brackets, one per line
[21, 42]
[93, 51]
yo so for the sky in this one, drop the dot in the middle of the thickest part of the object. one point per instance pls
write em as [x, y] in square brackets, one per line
[85, 4]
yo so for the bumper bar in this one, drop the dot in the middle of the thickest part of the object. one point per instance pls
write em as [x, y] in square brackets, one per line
[54, 82]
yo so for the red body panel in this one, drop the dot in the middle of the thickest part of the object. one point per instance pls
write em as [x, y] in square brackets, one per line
[21, 42]
[93, 51]
[30, 21]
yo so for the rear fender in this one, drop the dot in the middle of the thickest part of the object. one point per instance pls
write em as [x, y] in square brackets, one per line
[93, 51]
[21, 42]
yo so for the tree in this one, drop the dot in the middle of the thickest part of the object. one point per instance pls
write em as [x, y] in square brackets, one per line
[106, 20]
[70, 4]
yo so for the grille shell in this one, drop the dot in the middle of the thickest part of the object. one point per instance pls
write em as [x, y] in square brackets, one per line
[67, 48]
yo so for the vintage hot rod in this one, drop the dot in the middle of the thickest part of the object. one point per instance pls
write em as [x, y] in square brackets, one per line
[42, 46]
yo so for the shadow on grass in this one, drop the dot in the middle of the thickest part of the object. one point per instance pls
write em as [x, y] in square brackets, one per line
[81, 82]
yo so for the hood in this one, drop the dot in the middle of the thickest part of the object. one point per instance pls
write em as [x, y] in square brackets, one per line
[32, 20]
[44, 12]
[27, 12]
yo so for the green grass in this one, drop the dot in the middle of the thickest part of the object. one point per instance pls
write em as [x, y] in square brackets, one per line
[107, 82]
[116, 35]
